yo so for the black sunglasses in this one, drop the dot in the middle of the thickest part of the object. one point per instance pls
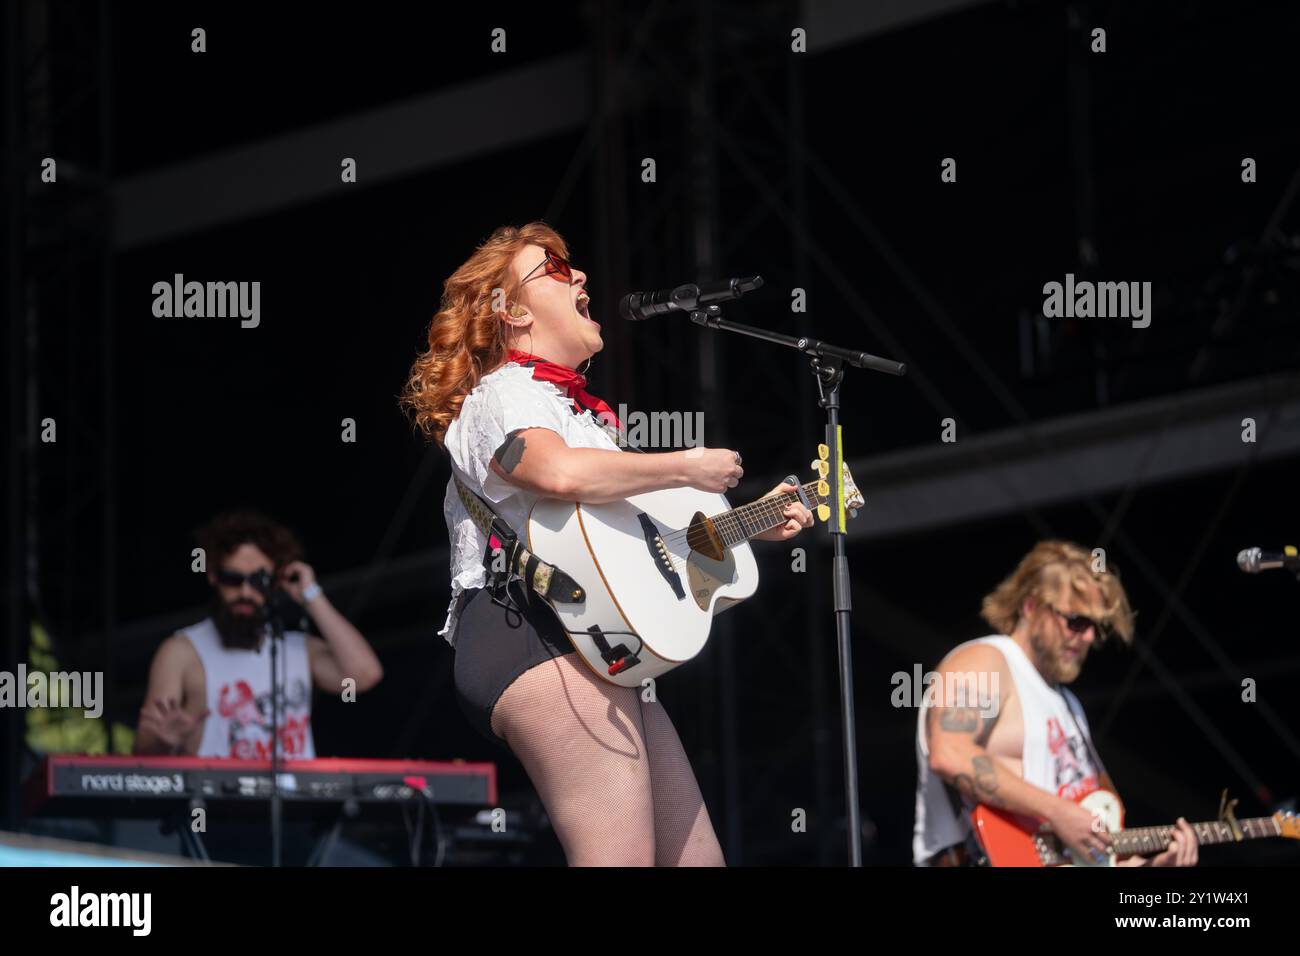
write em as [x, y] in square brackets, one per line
[259, 581]
[1078, 623]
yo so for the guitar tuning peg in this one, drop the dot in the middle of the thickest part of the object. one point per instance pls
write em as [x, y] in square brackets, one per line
[823, 488]
[824, 512]
[853, 512]
[823, 452]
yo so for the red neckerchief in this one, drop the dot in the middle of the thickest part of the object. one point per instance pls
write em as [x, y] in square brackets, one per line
[569, 382]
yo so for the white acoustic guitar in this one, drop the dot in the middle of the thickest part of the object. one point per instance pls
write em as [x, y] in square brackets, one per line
[657, 567]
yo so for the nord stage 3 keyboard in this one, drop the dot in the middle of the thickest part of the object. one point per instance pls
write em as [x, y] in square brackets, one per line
[121, 786]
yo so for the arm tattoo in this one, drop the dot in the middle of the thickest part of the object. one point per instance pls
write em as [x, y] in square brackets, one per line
[510, 452]
[986, 780]
[969, 720]
[983, 787]
[959, 720]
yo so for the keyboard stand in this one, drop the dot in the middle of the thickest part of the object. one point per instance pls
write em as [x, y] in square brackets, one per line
[348, 808]
[192, 844]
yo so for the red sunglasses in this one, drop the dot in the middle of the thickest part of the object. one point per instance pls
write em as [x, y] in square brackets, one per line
[557, 267]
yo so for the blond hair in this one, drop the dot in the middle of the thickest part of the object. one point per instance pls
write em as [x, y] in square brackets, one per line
[1044, 572]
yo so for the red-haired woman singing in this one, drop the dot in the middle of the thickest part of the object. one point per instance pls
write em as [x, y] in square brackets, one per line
[498, 389]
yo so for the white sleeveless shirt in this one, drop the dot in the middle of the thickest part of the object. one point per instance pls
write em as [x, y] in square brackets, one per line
[1057, 755]
[505, 400]
[239, 697]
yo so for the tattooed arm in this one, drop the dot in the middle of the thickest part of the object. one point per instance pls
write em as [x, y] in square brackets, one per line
[958, 737]
[538, 460]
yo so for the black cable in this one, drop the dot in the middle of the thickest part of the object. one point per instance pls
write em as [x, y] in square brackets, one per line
[439, 837]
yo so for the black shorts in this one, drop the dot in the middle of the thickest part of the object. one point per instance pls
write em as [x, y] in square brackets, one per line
[494, 645]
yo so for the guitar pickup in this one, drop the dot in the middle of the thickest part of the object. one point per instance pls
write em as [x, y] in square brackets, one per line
[659, 555]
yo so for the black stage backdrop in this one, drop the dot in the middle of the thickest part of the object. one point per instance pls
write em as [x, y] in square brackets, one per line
[820, 171]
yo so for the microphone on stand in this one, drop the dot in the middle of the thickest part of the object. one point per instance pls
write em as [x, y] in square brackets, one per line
[637, 306]
[1254, 560]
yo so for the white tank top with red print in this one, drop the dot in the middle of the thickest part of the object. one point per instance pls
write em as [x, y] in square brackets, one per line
[239, 697]
[1056, 756]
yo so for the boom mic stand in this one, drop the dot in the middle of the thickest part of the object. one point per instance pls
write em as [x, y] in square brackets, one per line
[827, 363]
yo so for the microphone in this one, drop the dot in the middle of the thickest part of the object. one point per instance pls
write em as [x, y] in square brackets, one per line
[1254, 560]
[637, 306]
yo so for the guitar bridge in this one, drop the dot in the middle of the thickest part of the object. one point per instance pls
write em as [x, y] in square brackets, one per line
[659, 555]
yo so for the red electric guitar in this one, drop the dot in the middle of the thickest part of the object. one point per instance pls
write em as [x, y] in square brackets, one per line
[1010, 839]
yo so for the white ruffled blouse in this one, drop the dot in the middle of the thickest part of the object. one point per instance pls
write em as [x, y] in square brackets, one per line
[506, 399]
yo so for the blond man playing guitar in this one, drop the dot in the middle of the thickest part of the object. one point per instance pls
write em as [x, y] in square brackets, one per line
[1024, 746]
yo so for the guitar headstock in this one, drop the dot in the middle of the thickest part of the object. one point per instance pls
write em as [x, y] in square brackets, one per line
[853, 499]
[1288, 824]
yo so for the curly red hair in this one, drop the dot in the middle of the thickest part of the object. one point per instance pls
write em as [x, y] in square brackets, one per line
[465, 335]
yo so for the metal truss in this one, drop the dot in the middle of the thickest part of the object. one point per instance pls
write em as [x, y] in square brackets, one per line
[62, 521]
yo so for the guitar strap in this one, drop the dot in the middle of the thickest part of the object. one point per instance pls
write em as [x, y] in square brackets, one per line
[546, 579]
[1073, 705]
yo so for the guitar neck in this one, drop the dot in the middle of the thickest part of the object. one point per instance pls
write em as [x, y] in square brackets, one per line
[741, 524]
[1146, 840]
